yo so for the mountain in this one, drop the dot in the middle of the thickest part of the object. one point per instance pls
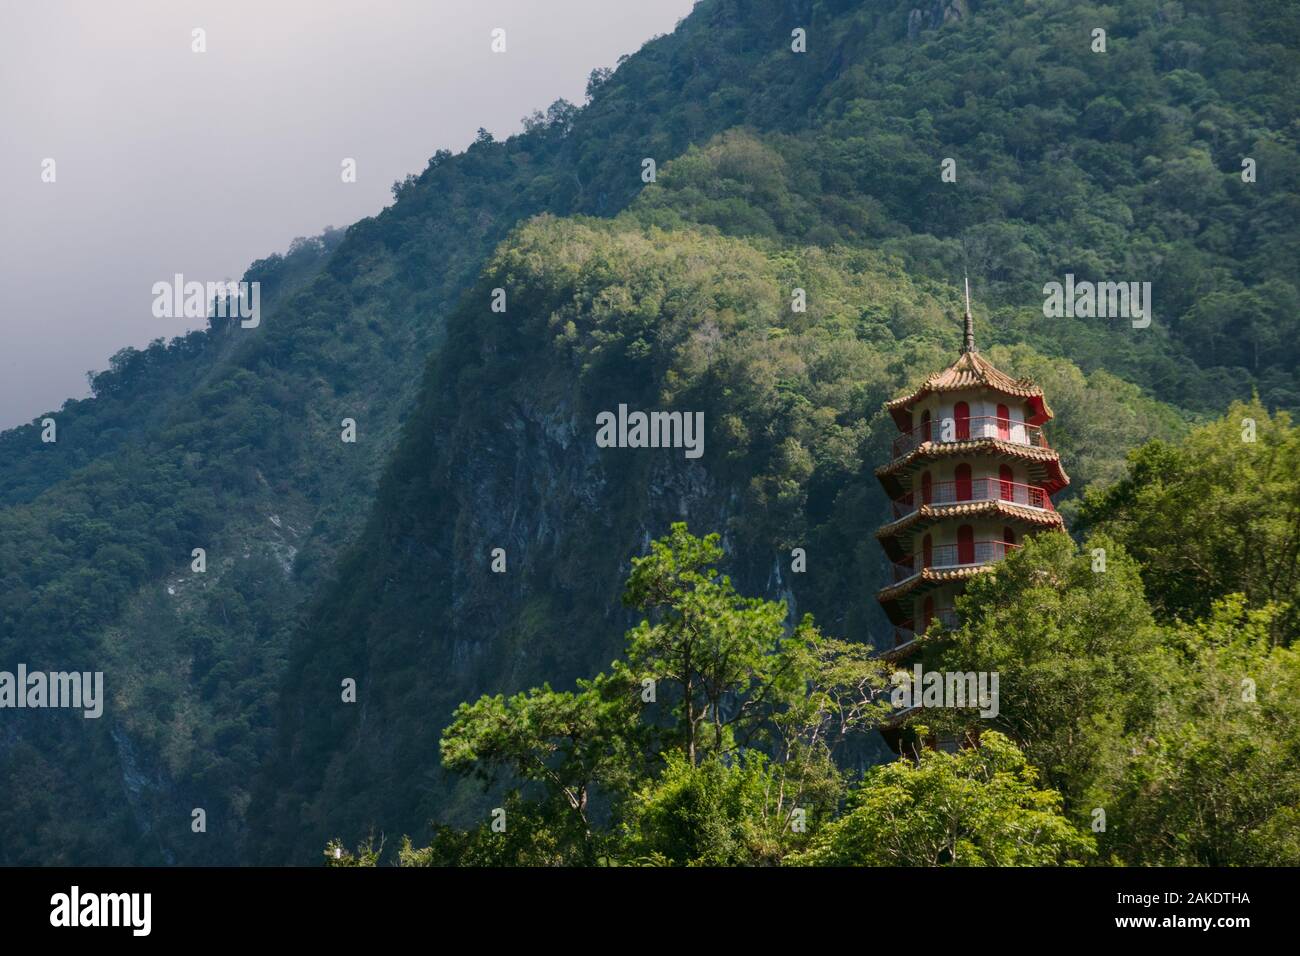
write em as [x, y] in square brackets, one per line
[774, 171]
[684, 302]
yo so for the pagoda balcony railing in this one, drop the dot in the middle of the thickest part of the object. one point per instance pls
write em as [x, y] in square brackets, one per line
[977, 489]
[905, 633]
[971, 554]
[969, 429]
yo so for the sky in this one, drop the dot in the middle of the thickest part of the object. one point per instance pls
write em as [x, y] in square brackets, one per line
[167, 160]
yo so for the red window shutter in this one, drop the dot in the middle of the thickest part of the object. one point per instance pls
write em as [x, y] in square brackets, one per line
[961, 412]
[1004, 423]
[963, 482]
[965, 545]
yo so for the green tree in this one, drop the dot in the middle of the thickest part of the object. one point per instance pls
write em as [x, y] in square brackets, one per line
[1214, 514]
[775, 702]
[1070, 643]
[1214, 780]
[519, 832]
[717, 813]
[761, 783]
[567, 742]
[367, 854]
[980, 806]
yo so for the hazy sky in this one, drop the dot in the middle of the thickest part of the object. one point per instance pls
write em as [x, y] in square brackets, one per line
[173, 161]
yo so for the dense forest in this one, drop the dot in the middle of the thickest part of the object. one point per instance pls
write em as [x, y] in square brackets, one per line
[775, 171]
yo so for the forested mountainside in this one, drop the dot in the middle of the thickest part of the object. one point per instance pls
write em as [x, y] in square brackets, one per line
[775, 170]
[138, 390]
[1147, 715]
[684, 302]
[611, 313]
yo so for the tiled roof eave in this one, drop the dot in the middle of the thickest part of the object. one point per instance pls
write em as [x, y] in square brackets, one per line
[970, 508]
[925, 389]
[972, 371]
[929, 576]
[901, 651]
[931, 449]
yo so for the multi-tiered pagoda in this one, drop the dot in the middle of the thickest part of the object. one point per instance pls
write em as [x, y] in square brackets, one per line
[970, 475]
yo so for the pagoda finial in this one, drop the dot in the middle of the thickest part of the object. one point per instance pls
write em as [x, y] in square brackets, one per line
[969, 345]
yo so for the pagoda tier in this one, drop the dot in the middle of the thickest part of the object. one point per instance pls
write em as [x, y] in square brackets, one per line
[1037, 461]
[970, 475]
[971, 372]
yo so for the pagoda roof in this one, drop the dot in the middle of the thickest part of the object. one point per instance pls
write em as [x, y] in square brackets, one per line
[1045, 462]
[901, 652]
[971, 371]
[928, 577]
[927, 514]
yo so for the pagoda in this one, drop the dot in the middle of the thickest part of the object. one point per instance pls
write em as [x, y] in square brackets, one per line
[970, 474]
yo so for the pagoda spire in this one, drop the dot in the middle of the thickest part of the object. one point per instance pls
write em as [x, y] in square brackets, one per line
[969, 345]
